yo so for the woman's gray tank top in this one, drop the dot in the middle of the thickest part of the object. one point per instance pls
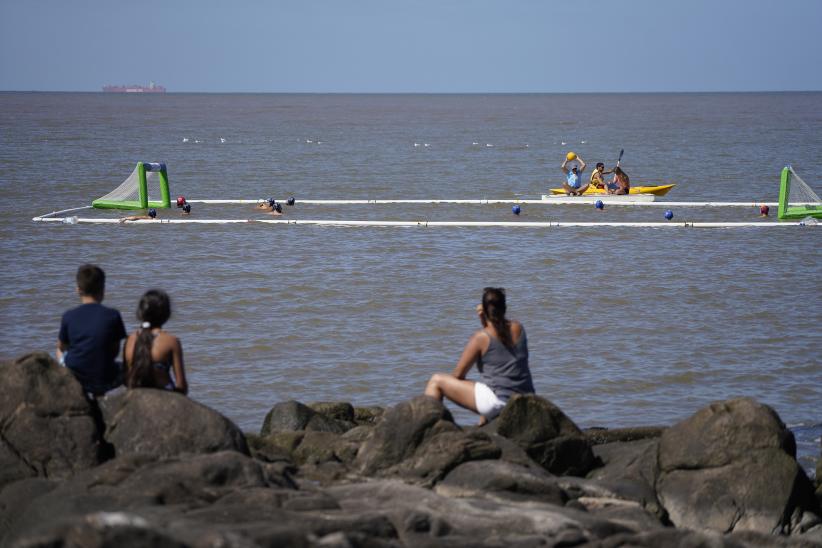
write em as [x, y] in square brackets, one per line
[505, 371]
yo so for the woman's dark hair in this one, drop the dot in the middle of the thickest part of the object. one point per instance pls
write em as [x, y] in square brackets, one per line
[622, 174]
[493, 307]
[153, 310]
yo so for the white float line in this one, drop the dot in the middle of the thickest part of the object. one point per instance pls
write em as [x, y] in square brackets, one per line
[53, 213]
[549, 201]
[502, 224]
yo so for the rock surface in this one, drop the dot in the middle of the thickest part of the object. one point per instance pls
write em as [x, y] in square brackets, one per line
[47, 426]
[162, 424]
[332, 475]
[547, 435]
[732, 467]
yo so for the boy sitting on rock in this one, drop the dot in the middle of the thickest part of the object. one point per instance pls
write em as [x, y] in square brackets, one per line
[90, 335]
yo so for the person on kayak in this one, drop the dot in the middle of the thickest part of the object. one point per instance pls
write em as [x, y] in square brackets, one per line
[596, 176]
[621, 183]
[573, 185]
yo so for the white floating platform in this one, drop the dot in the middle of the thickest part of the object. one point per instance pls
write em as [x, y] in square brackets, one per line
[609, 199]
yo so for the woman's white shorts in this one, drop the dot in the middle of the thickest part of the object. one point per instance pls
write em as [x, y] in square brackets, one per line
[488, 404]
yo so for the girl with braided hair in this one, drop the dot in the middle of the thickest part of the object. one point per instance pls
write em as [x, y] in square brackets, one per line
[500, 351]
[150, 353]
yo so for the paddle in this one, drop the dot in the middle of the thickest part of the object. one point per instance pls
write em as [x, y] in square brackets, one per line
[621, 152]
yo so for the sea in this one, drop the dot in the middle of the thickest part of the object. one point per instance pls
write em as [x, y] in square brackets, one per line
[626, 326]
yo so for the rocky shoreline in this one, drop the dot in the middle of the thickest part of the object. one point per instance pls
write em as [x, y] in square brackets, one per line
[154, 468]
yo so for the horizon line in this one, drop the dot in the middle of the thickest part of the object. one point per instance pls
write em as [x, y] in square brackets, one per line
[181, 92]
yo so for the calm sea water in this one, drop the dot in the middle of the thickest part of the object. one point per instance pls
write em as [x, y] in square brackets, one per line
[626, 326]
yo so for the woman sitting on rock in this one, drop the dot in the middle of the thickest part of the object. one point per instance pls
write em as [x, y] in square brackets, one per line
[500, 350]
[151, 353]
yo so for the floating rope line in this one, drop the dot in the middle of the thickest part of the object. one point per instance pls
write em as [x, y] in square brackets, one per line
[563, 200]
[501, 224]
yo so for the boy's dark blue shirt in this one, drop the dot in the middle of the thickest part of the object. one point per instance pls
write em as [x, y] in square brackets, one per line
[92, 334]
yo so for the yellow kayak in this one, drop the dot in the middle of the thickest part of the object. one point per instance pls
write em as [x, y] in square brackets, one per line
[659, 190]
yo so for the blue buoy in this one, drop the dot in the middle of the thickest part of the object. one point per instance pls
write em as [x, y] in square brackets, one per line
[599, 204]
[669, 214]
[516, 209]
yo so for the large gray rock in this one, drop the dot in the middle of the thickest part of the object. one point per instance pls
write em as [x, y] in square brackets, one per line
[684, 538]
[732, 467]
[502, 480]
[547, 435]
[138, 485]
[443, 452]
[425, 518]
[599, 436]
[630, 469]
[401, 431]
[293, 415]
[163, 424]
[341, 411]
[47, 426]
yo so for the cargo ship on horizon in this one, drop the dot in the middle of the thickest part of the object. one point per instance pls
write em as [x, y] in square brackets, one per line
[150, 88]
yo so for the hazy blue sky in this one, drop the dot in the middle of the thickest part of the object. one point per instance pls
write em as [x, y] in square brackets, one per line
[412, 45]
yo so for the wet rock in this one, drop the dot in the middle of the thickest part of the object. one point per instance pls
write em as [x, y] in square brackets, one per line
[104, 529]
[318, 447]
[13, 466]
[684, 538]
[610, 435]
[547, 435]
[163, 424]
[47, 426]
[341, 411]
[443, 452]
[732, 467]
[270, 448]
[401, 431]
[630, 470]
[293, 415]
[358, 434]
[472, 521]
[368, 415]
[502, 479]
[135, 484]
[284, 441]
[15, 499]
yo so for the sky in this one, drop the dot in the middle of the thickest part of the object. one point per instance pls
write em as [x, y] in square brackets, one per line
[412, 46]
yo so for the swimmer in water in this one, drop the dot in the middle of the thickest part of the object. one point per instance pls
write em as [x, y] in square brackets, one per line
[186, 209]
[271, 206]
[266, 205]
[152, 215]
[276, 209]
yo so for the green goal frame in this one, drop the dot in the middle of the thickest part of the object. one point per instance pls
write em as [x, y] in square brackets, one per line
[142, 188]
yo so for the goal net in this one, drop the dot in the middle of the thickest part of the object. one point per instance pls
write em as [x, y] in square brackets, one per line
[147, 186]
[797, 200]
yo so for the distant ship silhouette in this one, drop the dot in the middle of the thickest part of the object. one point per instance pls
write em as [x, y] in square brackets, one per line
[150, 88]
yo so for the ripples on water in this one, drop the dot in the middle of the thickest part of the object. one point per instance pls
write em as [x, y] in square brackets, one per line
[626, 326]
